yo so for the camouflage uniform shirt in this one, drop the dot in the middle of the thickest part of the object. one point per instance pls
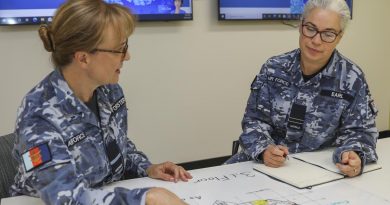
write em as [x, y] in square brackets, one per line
[73, 162]
[334, 108]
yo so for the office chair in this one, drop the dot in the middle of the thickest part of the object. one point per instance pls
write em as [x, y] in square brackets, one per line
[384, 134]
[235, 146]
[8, 166]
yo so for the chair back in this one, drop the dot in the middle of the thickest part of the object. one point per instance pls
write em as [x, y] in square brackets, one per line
[235, 146]
[384, 134]
[8, 165]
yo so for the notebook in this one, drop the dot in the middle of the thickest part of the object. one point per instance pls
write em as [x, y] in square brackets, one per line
[324, 160]
[304, 170]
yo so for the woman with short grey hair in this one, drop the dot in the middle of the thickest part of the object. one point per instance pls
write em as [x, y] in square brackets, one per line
[311, 98]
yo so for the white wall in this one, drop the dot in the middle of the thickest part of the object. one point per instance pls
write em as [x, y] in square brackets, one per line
[187, 82]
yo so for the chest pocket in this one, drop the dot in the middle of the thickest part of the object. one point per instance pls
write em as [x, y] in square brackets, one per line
[87, 150]
[279, 86]
[325, 114]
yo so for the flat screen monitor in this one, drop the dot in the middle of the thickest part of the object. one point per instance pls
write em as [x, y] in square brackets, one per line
[262, 9]
[17, 12]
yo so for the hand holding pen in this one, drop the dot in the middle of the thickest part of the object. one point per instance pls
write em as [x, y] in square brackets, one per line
[275, 155]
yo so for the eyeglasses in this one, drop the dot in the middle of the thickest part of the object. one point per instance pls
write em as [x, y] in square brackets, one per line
[310, 31]
[123, 51]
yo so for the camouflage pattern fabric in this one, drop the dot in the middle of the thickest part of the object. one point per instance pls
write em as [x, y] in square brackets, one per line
[51, 115]
[334, 108]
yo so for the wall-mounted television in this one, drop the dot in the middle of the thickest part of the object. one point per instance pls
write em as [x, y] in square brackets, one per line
[19, 12]
[262, 9]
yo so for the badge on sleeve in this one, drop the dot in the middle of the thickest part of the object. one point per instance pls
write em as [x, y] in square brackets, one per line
[36, 157]
[118, 104]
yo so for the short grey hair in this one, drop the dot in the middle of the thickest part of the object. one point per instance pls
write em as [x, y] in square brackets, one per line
[338, 6]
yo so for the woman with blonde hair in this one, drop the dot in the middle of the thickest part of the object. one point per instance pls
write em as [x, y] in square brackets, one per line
[72, 127]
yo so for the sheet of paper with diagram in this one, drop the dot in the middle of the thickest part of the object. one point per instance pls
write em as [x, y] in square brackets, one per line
[239, 184]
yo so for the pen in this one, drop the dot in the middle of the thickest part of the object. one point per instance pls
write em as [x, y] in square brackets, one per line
[284, 155]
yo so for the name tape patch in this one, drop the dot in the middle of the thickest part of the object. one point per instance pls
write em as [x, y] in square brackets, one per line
[278, 80]
[338, 95]
[36, 157]
[118, 104]
[75, 139]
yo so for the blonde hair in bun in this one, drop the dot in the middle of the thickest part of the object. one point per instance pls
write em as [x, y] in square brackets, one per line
[80, 25]
[46, 37]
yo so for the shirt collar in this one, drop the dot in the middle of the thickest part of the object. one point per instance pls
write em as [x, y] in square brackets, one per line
[329, 69]
[70, 104]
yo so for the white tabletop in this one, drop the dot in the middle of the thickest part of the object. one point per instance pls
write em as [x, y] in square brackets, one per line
[240, 184]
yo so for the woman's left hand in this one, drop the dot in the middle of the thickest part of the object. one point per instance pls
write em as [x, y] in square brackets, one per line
[168, 171]
[350, 164]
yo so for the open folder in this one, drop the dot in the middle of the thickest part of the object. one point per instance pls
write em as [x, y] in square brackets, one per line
[307, 169]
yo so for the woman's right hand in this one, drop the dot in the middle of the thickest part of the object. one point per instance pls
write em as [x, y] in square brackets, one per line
[162, 196]
[275, 155]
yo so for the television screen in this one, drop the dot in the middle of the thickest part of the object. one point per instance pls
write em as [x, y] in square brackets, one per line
[262, 9]
[42, 11]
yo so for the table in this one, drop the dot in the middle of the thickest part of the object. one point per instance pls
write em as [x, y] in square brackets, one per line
[239, 184]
